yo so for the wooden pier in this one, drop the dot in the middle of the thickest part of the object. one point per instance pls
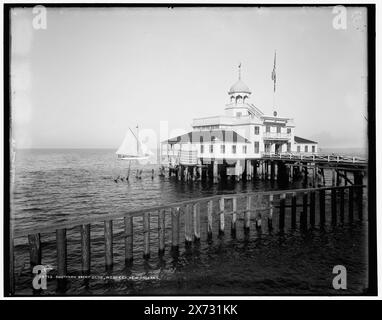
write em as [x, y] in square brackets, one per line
[283, 167]
[194, 220]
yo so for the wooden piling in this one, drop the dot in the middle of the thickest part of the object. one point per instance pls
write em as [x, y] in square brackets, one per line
[247, 215]
[209, 219]
[293, 210]
[312, 207]
[282, 212]
[61, 252]
[129, 229]
[234, 217]
[34, 249]
[146, 235]
[322, 207]
[108, 233]
[221, 216]
[85, 248]
[188, 225]
[334, 206]
[270, 217]
[161, 231]
[175, 228]
[196, 221]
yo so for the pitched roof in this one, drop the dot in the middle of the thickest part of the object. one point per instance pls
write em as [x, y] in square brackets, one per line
[208, 136]
[302, 140]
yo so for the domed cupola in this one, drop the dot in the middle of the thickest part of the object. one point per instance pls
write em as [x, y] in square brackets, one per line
[239, 87]
[239, 92]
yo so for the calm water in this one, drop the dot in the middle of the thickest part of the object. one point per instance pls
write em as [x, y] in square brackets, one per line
[61, 185]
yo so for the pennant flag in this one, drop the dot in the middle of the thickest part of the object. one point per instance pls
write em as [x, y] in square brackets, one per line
[274, 74]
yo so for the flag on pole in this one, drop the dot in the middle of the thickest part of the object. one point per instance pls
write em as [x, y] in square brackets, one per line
[274, 74]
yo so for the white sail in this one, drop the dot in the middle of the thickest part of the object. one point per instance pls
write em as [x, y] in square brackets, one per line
[128, 146]
[131, 148]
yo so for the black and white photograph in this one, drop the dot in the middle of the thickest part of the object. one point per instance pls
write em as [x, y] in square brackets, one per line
[190, 150]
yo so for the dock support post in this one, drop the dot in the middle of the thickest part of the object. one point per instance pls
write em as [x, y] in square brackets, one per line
[61, 252]
[312, 211]
[282, 212]
[270, 218]
[247, 215]
[188, 225]
[161, 231]
[272, 170]
[293, 213]
[209, 219]
[129, 231]
[306, 175]
[175, 228]
[322, 207]
[221, 217]
[334, 206]
[234, 217]
[196, 222]
[34, 249]
[108, 234]
[215, 171]
[85, 248]
[146, 235]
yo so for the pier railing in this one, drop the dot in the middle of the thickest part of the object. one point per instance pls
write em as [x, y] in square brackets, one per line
[267, 202]
[314, 157]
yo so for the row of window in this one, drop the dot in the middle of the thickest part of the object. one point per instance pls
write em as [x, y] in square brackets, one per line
[306, 149]
[268, 129]
[256, 146]
[222, 148]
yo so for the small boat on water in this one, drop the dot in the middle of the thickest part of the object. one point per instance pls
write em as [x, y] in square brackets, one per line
[133, 149]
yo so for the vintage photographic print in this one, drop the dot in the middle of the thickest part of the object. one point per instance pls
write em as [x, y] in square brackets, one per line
[189, 150]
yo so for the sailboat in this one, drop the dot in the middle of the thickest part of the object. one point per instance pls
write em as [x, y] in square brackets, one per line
[132, 149]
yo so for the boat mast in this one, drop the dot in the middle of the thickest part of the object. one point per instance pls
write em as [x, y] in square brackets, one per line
[137, 139]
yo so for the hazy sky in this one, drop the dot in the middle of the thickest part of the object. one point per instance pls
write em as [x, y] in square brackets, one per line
[93, 72]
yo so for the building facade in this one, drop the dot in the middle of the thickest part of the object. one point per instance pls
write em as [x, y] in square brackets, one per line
[242, 132]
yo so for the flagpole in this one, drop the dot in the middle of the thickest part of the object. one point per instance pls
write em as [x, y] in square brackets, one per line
[274, 82]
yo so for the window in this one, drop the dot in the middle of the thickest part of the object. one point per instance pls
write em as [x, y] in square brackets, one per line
[278, 129]
[238, 114]
[257, 130]
[201, 139]
[233, 149]
[298, 149]
[267, 129]
[244, 149]
[257, 147]
[313, 148]
[211, 148]
[289, 130]
[222, 148]
[201, 149]
[306, 148]
[288, 147]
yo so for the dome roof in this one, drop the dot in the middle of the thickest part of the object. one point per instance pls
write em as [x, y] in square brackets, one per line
[239, 87]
